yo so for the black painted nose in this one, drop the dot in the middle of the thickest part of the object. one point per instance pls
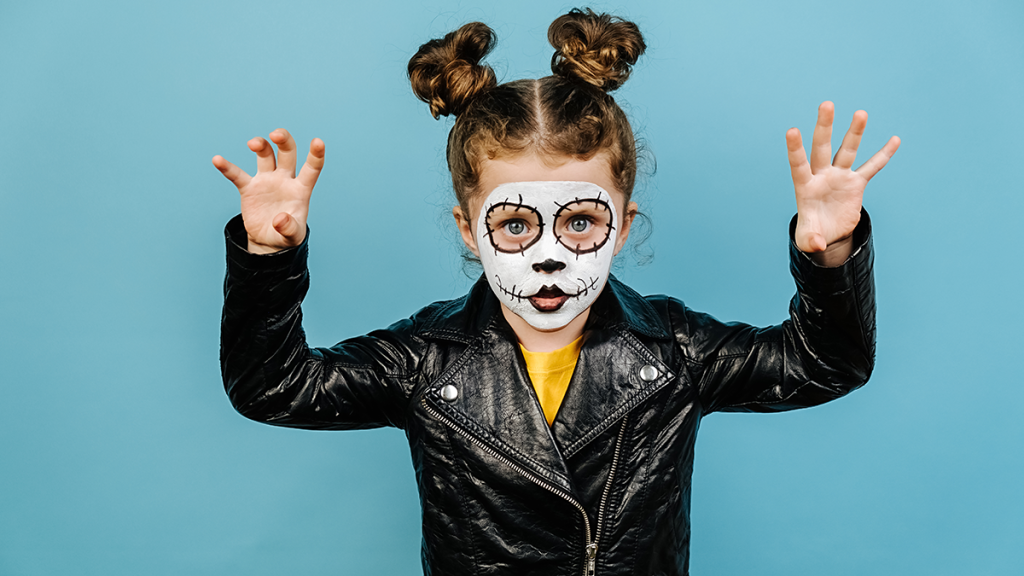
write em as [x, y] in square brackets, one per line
[548, 266]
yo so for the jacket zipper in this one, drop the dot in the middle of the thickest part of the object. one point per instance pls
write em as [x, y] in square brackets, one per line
[591, 547]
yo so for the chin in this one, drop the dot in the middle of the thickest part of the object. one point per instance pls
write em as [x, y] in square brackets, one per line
[546, 321]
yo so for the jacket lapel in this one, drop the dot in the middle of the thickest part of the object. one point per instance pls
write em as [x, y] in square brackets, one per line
[495, 404]
[494, 401]
[609, 381]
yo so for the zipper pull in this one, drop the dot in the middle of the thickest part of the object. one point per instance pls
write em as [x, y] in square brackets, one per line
[591, 558]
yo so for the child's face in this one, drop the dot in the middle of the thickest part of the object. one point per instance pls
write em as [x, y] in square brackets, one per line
[546, 230]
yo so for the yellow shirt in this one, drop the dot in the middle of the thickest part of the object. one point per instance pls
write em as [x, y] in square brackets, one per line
[550, 373]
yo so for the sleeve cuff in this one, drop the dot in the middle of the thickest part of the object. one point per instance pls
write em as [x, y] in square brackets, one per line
[239, 257]
[813, 277]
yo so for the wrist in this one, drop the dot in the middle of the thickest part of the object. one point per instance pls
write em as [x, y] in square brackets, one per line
[256, 248]
[241, 256]
[835, 254]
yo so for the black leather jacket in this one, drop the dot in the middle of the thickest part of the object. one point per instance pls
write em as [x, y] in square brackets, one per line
[606, 488]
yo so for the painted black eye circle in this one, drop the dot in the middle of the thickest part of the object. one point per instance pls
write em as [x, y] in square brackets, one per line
[584, 225]
[512, 227]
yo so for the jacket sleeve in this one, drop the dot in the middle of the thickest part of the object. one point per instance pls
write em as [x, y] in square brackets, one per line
[272, 376]
[824, 350]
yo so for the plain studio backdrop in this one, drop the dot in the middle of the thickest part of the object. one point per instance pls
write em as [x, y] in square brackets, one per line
[120, 454]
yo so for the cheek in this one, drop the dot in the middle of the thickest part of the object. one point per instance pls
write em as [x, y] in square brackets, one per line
[512, 270]
[619, 243]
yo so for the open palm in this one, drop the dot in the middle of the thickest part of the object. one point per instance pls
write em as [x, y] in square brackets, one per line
[275, 203]
[829, 193]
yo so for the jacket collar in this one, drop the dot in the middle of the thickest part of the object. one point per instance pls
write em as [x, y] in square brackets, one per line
[496, 403]
[468, 318]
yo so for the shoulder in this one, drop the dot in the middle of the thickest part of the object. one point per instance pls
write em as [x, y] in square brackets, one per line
[700, 336]
[658, 315]
[438, 317]
[460, 319]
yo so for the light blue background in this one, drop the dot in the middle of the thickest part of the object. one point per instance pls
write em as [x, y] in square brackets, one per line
[120, 454]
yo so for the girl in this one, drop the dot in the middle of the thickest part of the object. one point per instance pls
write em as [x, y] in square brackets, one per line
[551, 412]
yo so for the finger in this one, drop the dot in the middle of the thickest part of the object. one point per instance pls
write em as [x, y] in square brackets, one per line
[314, 163]
[285, 150]
[848, 150]
[237, 176]
[289, 228]
[797, 157]
[880, 159]
[264, 155]
[821, 145]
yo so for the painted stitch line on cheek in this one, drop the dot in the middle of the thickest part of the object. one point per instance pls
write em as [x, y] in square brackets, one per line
[512, 293]
[586, 287]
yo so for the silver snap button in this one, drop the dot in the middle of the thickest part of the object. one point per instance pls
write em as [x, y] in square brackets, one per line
[449, 393]
[648, 373]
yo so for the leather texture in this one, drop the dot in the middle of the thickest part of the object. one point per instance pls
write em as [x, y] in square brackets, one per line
[606, 488]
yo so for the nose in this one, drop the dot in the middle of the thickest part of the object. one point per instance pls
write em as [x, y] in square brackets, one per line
[548, 266]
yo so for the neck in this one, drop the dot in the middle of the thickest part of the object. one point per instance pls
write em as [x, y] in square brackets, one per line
[536, 340]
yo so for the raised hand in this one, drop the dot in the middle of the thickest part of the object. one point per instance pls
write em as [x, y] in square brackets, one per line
[829, 194]
[275, 203]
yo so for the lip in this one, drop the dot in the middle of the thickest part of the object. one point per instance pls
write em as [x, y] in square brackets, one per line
[548, 299]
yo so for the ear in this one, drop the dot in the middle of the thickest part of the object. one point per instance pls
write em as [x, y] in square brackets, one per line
[466, 230]
[627, 222]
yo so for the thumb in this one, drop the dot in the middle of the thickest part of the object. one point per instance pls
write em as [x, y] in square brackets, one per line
[289, 228]
[807, 238]
[810, 242]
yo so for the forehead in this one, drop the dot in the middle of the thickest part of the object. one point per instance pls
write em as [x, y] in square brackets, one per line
[536, 168]
[547, 196]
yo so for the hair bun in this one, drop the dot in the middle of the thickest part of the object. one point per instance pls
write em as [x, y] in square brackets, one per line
[446, 72]
[597, 49]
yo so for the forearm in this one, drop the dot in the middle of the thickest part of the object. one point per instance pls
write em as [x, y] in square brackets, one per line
[833, 313]
[262, 343]
[823, 351]
[271, 375]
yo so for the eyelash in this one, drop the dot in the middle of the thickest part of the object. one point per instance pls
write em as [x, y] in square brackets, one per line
[526, 227]
[587, 219]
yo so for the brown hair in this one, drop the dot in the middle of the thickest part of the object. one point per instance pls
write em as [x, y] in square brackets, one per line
[569, 113]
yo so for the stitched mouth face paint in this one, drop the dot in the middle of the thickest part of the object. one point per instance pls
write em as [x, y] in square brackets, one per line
[547, 247]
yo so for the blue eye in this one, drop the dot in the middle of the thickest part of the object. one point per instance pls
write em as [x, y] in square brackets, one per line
[515, 227]
[579, 224]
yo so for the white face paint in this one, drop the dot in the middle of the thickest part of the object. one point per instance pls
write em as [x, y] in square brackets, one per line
[547, 248]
